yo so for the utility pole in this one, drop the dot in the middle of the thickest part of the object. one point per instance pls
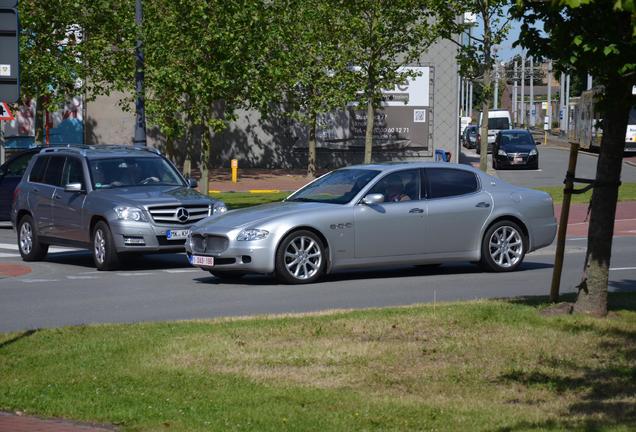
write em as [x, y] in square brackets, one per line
[523, 90]
[562, 105]
[533, 110]
[470, 99]
[589, 82]
[496, 101]
[548, 113]
[140, 110]
[567, 105]
[514, 96]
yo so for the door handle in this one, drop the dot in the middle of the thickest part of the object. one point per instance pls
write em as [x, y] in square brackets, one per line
[416, 210]
[483, 204]
[56, 196]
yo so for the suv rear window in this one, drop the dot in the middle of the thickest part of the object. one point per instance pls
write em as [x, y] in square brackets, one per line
[37, 172]
[447, 182]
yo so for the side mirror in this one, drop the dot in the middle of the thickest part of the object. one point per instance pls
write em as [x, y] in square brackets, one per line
[193, 183]
[373, 199]
[73, 187]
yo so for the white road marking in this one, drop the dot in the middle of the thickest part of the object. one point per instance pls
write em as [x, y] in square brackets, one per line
[182, 270]
[577, 239]
[8, 255]
[622, 268]
[81, 277]
[12, 246]
[133, 274]
[615, 220]
[38, 280]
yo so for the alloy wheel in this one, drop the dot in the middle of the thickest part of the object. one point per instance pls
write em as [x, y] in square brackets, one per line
[100, 246]
[506, 246]
[26, 238]
[303, 257]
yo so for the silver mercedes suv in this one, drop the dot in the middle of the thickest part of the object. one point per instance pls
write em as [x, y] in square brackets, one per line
[113, 200]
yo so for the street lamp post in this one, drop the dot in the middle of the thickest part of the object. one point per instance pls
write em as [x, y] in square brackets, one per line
[140, 111]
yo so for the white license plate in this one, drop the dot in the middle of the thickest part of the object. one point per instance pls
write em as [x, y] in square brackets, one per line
[206, 261]
[177, 234]
[517, 160]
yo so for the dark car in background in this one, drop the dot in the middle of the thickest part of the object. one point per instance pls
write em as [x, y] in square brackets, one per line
[515, 148]
[10, 175]
[470, 137]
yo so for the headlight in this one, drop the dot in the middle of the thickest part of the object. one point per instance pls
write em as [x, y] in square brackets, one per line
[533, 152]
[501, 152]
[219, 207]
[130, 214]
[252, 234]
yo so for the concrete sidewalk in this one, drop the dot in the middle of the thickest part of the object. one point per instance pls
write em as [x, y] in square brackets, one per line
[18, 423]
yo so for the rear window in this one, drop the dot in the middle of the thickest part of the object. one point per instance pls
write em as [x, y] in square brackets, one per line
[448, 182]
[498, 123]
[37, 172]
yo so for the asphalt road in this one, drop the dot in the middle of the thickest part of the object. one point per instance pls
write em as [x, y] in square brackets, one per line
[553, 163]
[67, 290]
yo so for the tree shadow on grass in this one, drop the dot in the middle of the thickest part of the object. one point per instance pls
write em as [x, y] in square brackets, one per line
[616, 301]
[17, 338]
[603, 393]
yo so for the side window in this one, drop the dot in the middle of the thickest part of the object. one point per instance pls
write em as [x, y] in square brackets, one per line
[37, 172]
[399, 186]
[448, 182]
[73, 172]
[17, 167]
[53, 174]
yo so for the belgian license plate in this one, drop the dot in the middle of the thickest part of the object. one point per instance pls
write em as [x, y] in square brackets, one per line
[176, 234]
[517, 160]
[206, 261]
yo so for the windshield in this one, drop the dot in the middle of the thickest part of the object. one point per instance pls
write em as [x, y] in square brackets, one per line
[132, 171]
[337, 187]
[498, 123]
[509, 140]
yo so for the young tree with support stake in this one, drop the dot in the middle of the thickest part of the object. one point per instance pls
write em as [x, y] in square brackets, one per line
[596, 37]
[477, 58]
[386, 35]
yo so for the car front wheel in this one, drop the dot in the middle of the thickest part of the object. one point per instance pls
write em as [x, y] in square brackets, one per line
[30, 247]
[300, 258]
[104, 252]
[503, 247]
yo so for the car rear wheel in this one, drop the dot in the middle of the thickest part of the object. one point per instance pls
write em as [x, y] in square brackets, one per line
[503, 247]
[103, 248]
[300, 258]
[30, 247]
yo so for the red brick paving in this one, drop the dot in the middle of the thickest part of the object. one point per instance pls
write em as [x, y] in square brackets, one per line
[13, 270]
[17, 423]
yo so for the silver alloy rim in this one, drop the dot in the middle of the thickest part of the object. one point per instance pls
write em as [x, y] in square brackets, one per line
[506, 246]
[100, 246]
[303, 257]
[26, 238]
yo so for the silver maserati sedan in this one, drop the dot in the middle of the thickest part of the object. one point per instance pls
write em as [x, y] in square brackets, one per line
[372, 215]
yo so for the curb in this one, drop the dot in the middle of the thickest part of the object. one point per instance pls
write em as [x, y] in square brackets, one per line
[252, 191]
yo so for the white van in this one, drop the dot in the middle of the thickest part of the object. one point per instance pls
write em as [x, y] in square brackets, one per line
[497, 120]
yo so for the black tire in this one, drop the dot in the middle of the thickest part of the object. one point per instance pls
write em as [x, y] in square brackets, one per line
[31, 249]
[503, 247]
[105, 255]
[227, 274]
[304, 246]
[494, 164]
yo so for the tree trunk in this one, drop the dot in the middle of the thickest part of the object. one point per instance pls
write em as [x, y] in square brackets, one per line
[487, 91]
[205, 161]
[368, 138]
[592, 295]
[38, 118]
[483, 132]
[311, 151]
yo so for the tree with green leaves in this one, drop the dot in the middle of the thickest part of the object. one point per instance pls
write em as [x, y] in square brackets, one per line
[596, 37]
[307, 70]
[477, 58]
[74, 48]
[383, 37]
[200, 56]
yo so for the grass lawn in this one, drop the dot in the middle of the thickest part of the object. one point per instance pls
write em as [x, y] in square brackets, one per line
[627, 192]
[483, 365]
[235, 200]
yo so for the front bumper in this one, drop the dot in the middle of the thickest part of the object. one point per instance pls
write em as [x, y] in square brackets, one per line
[145, 237]
[513, 160]
[256, 256]
[630, 145]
